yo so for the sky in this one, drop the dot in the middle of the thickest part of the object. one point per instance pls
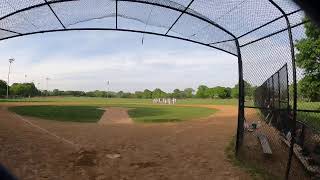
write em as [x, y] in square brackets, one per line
[86, 60]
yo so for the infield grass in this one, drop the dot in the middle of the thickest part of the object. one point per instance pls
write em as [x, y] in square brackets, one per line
[61, 113]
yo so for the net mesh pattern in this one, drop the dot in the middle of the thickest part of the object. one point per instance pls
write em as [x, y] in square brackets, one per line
[69, 14]
[145, 16]
[269, 96]
[201, 21]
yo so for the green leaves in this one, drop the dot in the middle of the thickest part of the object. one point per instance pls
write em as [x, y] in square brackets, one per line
[24, 89]
[308, 59]
[3, 88]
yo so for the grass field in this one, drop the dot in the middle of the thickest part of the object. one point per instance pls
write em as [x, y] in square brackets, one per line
[168, 114]
[61, 113]
[309, 105]
[141, 146]
[105, 101]
[163, 113]
[83, 109]
[310, 118]
[138, 113]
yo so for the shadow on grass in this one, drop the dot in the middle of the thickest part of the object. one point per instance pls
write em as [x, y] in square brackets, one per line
[60, 113]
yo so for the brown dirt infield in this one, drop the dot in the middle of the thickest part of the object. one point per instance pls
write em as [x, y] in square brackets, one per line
[115, 115]
[188, 150]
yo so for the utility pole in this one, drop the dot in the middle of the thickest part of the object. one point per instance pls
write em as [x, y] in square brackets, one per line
[10, 62]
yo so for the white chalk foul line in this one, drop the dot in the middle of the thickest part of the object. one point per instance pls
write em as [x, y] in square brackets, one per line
[46, 131]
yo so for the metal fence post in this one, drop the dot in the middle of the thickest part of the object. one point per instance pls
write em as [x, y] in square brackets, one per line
[240, 128]
[294, 74]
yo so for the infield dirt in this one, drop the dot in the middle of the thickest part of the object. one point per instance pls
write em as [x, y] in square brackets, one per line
[193, 149]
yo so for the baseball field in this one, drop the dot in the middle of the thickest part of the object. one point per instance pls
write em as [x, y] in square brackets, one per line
[100, 138]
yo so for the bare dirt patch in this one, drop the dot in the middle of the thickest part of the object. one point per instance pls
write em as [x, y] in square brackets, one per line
[186, 150]
[115, 115]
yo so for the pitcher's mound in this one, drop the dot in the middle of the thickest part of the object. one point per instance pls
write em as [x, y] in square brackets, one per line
[115, 115]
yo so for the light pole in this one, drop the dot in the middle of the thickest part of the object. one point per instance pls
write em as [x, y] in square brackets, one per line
[10, 62]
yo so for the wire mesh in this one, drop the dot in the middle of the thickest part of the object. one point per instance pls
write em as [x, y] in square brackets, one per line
[145, 16]
[270, 108]
[8, 7]
[69, 14]
[206, 21]
[308, 112]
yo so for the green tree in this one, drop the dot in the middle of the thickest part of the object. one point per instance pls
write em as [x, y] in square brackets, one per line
[138, 94]
[177, 94]
[308, 58]
[202, 92]
[56, 92]
[228, 90]
[221, 92]
[158, 93]
[147, 94]
[235, 92]
[211, 92]
[24, 89]
[120, 94]
[188, 92]
[3, 88]
[248, 90]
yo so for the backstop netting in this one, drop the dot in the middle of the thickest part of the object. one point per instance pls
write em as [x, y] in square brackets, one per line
[269, 100]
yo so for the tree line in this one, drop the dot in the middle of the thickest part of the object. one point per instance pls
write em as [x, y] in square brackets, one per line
[30, 90]
[19, 89]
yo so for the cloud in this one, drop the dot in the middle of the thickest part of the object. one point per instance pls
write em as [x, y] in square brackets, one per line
[86, 61]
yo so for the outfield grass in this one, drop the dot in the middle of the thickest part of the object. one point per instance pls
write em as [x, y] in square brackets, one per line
[309, 105]
[167, 113]
[310, 118]
[105, 101]
[209, 101]
[138, 112]
[61, 113]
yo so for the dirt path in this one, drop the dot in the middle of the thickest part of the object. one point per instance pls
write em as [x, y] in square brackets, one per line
[191, 150]
[115, 115]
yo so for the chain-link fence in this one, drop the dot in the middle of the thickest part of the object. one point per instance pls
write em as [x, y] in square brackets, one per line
[272, 98]
[280, 139]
